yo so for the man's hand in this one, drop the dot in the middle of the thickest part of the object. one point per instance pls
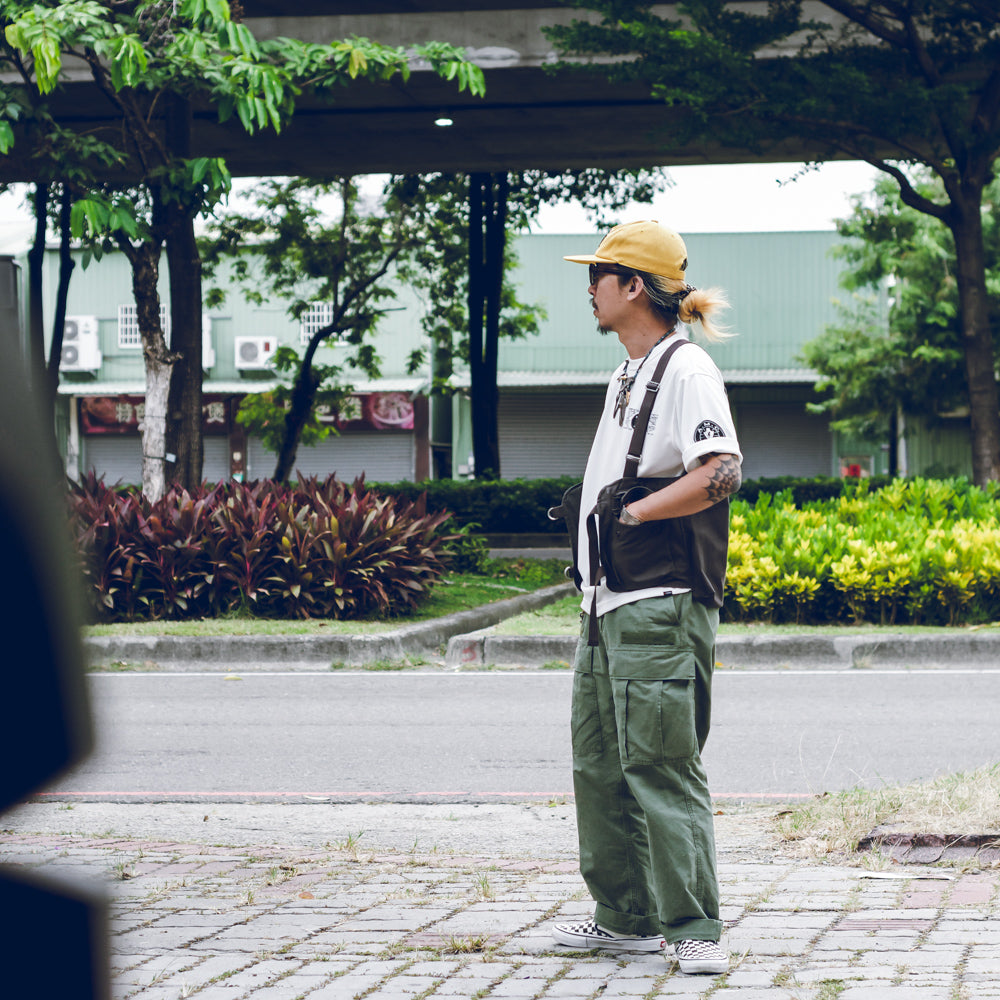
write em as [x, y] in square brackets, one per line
[715, 479]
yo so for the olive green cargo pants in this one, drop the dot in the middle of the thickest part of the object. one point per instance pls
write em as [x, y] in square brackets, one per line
[640, 717]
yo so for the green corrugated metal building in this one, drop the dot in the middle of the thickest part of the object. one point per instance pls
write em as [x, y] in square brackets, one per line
[782, 287]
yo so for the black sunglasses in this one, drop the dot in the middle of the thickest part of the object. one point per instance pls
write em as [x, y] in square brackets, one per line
[596, 270]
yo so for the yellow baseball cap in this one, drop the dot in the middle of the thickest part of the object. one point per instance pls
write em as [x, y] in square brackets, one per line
[645, 246]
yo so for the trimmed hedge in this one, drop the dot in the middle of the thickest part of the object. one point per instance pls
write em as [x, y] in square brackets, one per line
[811, 551]
[916, 551]
[519, 506]
[318, 549]
[495, 507]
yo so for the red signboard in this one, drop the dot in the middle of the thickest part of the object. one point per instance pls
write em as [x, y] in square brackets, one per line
[123, 414]
[382, 411]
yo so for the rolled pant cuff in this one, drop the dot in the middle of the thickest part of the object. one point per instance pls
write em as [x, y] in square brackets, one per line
[695, 930]
[638, 925]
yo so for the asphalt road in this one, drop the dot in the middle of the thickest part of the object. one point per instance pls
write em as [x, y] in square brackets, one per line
[503, 736]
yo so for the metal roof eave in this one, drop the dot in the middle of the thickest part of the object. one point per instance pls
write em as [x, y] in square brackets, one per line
[756, 376]
[132, 387]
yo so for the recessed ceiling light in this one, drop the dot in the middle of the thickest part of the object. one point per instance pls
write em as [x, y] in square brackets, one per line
[443, 122]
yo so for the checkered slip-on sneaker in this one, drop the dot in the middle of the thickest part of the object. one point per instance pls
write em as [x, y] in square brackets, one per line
[701, 956]
[590, 935]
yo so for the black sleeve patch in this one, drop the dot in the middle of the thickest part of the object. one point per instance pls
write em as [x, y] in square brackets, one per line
[708, 429]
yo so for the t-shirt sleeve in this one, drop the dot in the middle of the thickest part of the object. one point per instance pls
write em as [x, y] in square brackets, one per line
[704, 423]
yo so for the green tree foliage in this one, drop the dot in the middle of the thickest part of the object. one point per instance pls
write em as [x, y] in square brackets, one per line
[316, 243]
[891, 82]
[152, 60]
[909, 358]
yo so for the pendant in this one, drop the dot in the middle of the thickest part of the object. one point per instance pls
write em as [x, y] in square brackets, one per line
[622, 399]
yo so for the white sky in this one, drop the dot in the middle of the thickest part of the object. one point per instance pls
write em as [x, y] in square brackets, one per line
[704, 199]
[758, 197]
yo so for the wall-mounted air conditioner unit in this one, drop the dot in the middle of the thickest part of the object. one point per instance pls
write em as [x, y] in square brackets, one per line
[255, 352]
[81, 351]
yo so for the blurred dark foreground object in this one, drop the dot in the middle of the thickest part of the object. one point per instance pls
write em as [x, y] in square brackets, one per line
[55, 933]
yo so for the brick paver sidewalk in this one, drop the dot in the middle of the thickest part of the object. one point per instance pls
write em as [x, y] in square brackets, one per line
[281, 924]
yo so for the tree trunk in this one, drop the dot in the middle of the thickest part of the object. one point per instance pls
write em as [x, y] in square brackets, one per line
[487, 238]
[145, 261]
[303, 396]
[36, 266]
[184, 428]
[977, 337]
[66, 265]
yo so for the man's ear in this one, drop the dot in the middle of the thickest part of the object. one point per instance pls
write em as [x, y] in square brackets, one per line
[635, 287]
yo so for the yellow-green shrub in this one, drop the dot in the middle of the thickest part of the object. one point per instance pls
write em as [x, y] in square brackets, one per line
[916, 551]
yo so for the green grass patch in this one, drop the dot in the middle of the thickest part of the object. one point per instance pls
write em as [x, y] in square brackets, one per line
[967, 802]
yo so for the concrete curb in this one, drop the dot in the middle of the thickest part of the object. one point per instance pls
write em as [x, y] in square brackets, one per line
[256, 651]
[469, 643]
[860, 652]
[765, 652]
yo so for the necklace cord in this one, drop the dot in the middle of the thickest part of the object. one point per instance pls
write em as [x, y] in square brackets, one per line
[625, 381]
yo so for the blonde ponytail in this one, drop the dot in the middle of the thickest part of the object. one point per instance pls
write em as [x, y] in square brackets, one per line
[672, 299]
[700, 304]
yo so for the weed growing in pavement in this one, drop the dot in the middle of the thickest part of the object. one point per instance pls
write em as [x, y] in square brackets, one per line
[483, 888]
[277, 874]
[782, 977]
[466, 944]
[388, 665]
[830, 989]
[123, 869]
[349, 844]
[756, 902]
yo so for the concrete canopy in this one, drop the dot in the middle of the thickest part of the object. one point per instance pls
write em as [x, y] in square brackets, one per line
[529, 118]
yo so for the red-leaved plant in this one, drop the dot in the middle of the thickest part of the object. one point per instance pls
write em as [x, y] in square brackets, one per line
[317, 549]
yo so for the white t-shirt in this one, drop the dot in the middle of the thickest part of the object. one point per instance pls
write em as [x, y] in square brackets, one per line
[690, 419]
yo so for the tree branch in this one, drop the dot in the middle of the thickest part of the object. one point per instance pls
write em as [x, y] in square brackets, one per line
[142, 139]
[907, 39]
[848, 137]
[864, 17]
[908, 193]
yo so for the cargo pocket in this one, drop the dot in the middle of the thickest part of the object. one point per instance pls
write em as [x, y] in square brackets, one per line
[654, 705]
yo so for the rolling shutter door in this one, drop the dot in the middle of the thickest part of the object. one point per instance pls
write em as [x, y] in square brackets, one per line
[545, 435]
[215, 463]
[782, 439]
[115, 457]
[119, 458]
[382, 456]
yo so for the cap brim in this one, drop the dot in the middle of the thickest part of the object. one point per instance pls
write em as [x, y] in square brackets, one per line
[589, 258]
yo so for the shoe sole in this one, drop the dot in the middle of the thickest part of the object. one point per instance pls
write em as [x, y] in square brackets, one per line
[614, 944]
[695, 968]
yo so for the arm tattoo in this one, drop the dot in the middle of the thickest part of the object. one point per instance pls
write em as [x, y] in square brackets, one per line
[726, 478]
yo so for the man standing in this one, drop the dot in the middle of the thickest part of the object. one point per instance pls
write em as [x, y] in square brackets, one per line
[642, 681]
